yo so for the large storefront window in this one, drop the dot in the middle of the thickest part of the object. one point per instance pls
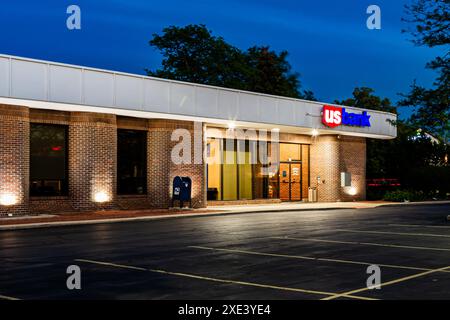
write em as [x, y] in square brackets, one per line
[131, 162]
[235, 170]
[48, 160]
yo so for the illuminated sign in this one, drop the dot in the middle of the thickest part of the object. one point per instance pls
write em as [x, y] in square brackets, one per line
[335, 116]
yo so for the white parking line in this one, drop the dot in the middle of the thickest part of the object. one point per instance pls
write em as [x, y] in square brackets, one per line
[7, 298]
[418, 226]
[244, 283]
[362, 243]
[395, 233]
[311, 258]
[388, 283]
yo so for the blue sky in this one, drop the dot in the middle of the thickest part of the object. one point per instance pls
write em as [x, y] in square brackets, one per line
[328, 41]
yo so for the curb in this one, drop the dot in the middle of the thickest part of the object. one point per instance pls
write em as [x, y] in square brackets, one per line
[198, 215]
[40, 225]
[416, 204]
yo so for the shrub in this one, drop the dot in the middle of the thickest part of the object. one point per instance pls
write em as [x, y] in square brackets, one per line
[404, 195]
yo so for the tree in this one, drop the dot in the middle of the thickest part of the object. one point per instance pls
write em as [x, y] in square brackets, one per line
[271, 73]
[378, 159]
[193, 54]
[430, 20]
[397, 158]
[363, 97]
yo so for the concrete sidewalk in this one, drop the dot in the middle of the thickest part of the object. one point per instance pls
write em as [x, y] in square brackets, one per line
[28, 222]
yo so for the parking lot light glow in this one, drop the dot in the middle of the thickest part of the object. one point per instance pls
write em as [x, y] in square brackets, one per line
[101, 197]
[8, 199]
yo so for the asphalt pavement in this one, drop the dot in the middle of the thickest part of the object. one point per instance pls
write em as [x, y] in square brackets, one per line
[321, 254]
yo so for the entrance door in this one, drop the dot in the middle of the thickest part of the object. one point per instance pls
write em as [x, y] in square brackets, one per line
[290, 181]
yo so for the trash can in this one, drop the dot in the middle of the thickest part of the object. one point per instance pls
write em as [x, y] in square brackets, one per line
[312, 194]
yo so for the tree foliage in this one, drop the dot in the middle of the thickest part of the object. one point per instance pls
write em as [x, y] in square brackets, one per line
[430, 20]
[193, 54]
[410, 157]
[364, 97]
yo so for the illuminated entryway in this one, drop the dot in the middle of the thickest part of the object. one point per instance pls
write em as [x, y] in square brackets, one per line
[294, 171]
[234, 174]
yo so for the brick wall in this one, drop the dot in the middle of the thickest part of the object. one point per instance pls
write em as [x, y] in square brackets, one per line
[14, 158]
[162, 170]
[331, 155]
[92, 160]
[352, 155]
[50, 205]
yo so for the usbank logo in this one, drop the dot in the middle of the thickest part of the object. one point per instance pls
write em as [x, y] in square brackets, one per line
[336, 116]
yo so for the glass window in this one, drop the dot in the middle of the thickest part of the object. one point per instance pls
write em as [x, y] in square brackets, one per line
[214, 172]
[230, 174]
[290, 152]
[236, 171]
[131, 162]
[48, 160]
[246, 153]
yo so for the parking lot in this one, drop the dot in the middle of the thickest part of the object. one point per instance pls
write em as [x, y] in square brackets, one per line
[279, 255]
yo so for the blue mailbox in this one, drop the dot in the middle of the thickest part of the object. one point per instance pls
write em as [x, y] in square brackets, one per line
[181, 190]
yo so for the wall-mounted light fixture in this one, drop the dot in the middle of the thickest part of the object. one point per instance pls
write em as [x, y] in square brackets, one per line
[315, 132]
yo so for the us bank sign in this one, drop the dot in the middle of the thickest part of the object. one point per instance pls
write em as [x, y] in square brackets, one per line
[335, 116]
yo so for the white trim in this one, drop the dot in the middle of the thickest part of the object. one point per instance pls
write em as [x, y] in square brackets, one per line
[155, 115]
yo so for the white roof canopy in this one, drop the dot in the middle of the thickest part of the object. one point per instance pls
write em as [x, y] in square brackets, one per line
[50, 85]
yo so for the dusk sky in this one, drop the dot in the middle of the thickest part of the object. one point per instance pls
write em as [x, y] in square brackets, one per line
[328, 41]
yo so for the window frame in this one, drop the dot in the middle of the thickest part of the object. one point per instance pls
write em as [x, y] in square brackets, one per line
[65, 184]
[145, 164]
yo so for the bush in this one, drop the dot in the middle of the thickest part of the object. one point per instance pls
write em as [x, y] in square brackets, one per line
[404, 195]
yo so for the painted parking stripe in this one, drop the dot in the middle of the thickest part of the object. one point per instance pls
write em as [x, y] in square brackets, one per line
[414, 276]
[2, 297]
[395, 233]
[310, 258]
[244, 283]
[362, 243]
[418, 226]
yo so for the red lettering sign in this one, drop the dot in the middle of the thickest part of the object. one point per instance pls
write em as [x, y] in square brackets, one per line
[331, 116]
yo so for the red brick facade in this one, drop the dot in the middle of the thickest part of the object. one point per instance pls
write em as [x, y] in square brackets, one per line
[14, 159]
[329, 156]
[92, 162]
[162, 170]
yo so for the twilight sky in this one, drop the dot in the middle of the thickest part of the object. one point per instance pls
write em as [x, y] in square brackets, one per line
[328, 41]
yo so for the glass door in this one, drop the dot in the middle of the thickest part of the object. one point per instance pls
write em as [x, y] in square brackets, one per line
[285, 174]
[290, 181]
[296, 181]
